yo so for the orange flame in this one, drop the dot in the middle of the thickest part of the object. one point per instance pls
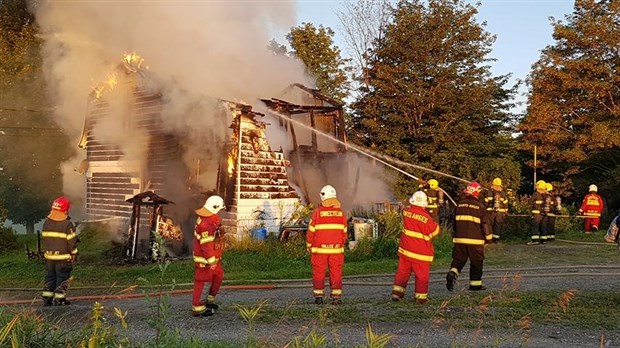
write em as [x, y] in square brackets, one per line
[133, 59]
[231, 165]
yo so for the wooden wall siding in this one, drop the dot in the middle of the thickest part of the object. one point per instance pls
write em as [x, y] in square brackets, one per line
[262, 170]
[106, 194]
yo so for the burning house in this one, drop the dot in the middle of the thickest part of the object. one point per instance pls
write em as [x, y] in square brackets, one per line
[133, 155]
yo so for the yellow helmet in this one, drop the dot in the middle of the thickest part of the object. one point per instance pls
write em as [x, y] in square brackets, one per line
[497, 182]
[549, 187]
[433, 183]
[541, 185]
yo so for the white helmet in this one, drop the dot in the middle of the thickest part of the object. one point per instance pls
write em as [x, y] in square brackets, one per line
[328, 191]
[214, 204]
[592, 188]
[419, 198]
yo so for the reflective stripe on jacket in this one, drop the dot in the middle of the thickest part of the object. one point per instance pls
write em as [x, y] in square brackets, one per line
[327, 231]
[59, 240]
[419, 229]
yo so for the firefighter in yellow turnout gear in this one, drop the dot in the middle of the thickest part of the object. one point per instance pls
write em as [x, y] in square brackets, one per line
[435, 198]
[496, 203]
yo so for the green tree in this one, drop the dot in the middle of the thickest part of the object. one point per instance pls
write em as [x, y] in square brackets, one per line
[573, 113]
[31, 145]
[431, 98]
[315, 47]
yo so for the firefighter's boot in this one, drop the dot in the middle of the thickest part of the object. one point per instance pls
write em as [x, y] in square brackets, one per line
[477, 287]
[318, 300]
[207, 313]
[48, 301]
[212, 305]
[451, 280]
[61, 302]
[421, 300]
[396, 298]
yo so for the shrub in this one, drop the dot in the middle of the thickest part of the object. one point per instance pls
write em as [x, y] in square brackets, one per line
[8, 239]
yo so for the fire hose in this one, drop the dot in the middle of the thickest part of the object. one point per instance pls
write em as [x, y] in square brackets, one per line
[306, 283]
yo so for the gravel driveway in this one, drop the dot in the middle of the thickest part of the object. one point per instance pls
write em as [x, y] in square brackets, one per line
[369, 297]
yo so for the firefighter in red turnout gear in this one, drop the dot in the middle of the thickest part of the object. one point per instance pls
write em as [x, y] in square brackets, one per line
[325, 240]
[60, 243]
[591, 208]
[415, 249]
[471, 232]
[208, 248]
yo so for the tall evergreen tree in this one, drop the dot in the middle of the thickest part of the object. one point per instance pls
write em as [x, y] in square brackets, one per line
[573, 110]
[315, 47]
[432, 99]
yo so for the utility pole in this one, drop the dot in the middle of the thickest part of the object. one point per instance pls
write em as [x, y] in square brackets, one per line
[534, 167]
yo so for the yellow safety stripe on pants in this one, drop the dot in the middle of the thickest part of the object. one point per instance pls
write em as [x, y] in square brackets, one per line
[420, 296]
[59, 295]
[535, 211]
[550, 214]
[468, 218]
[47, 294]
[415, 234]
[470, 241]
[329, 227]
[57, 257]
[336, 292]
[535, 236]
[206, 240]
[475, 282]
[415, 256]
[496, 236]
[538, 202]
[210, 298]
[202, 260]
[318, 292]
[398, 288]
[330, 251]
[454, 270]
[502, 210]
[61, 235]
[199, 309]
[543, 237]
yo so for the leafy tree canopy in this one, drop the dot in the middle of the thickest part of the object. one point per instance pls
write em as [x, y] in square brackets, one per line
[432, 99]
[573, 110]
[315, 47]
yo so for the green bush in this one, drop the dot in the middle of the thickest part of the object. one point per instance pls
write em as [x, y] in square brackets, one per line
[8, 240]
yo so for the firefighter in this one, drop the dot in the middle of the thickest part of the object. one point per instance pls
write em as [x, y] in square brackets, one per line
[472, 231]
[208, 247]
[60, 244]
[435, 197]
[415, 249]
[325, 240]
[538, 230]
[497, 207]
[591, 208]
[555, 208]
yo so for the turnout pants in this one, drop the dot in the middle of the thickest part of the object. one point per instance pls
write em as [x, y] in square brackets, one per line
[497, 224]
[421, 271]
[320, 263]
[202, 276]
[591, 224]
[56, 280]
[475, 254]
[538, 231]
[550, 227]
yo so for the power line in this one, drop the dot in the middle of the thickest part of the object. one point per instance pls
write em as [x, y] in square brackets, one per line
[25, 110]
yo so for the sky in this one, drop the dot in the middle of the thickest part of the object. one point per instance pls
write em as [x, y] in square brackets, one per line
[522, 28]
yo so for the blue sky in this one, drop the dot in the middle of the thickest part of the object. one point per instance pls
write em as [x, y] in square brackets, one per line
[522, 28]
